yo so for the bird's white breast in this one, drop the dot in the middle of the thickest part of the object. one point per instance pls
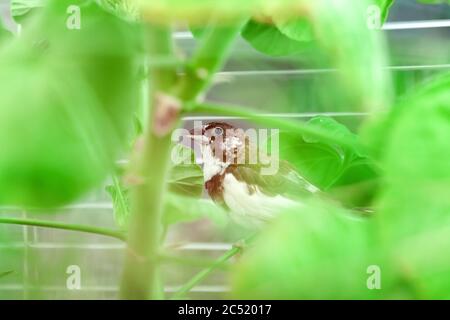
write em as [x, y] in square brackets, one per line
[211, 165]
[251, 209]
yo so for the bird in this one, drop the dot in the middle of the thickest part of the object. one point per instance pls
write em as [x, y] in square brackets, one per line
[252, 199]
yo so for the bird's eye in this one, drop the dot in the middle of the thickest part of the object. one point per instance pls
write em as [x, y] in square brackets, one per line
[218, 131]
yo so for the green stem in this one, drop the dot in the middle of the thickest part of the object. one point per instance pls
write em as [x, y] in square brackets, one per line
[214, 47]
[160, 44]
[297, 127]
[215, 265]
[140, 276]
[140, 280]
[65, 226]
[199, 277]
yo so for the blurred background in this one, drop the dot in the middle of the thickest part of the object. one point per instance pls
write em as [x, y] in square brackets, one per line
[40, 257]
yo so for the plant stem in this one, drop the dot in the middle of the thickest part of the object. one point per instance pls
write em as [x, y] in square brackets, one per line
[139, 280]
[65, 226]
[208, 59]
[217, 264]
[297, 127]
[204, 273]
[140, 275]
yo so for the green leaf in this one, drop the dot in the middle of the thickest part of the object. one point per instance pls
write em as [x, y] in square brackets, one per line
[316, 162]
[414, 206]
[22, 7]
[323, 163]
[314, 252]
[268, 39]
[121, 203]
[332, 127]
[341, 28]
[186, 177]
[122, 8]
[75, 100]
[384, 6]
[416, 159]
[357, 165]
[186, 180]
[425, 260]
[23, 10]
[180, 208]
[298, 29]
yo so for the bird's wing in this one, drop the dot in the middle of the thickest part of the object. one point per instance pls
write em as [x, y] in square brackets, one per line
[286, 182]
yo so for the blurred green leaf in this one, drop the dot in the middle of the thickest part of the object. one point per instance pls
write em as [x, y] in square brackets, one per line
[269, 39]
[416, 159]
[356, 63]
[180, 208]
[186, 177]
[424, 260]
[332, 44]
[67, 99]
[377, 131]
[384, 5]
[122, 8]
[315, 252]
[22, 7]
[414, 206]
[55, 155]
[298, 29]
[197, 31]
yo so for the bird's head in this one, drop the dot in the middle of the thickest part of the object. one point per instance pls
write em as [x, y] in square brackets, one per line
[220, 145]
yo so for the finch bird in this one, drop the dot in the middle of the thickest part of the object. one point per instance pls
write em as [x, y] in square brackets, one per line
[250, 197]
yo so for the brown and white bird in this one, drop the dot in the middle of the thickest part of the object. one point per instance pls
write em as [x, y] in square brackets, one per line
[251, 198]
